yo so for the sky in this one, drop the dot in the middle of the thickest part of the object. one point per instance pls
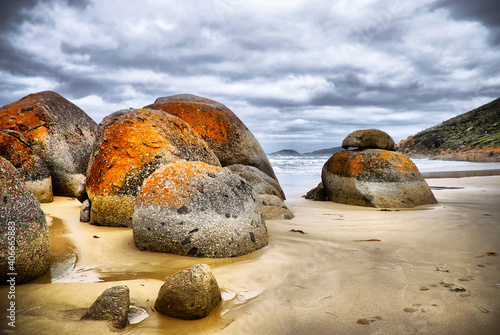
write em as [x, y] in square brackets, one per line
[301, 75]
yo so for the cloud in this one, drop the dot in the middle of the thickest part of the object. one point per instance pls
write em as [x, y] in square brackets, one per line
[485, 12]
[300, 74]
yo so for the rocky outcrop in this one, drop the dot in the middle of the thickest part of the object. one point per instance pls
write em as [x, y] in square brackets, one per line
[369, 138]
[24, 234]
[112, 305]
[189, 294]
[227, 136]
[57, 131]
[31, 167]
[472, 136]
[196, 209]
[273, 208]
[317, 194]
[375, 178]
[131, 144]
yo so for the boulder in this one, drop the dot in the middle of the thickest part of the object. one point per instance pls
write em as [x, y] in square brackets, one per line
[261, 182]
[269, 190]
[195, 209]
[130, 145]
[33, 170]
[57, 131]
[189, 294]
[226, 134]
[369, 139]
[317, 194]
[273, 208]
[112, 305]
[24, 234]
[375, 178]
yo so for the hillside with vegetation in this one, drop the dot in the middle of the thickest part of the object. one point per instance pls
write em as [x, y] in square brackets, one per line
[473, 136]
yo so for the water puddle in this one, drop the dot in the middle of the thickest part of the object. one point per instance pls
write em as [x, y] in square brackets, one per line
[63, 258]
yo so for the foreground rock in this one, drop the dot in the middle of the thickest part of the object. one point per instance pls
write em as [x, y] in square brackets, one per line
[369, 139]
[112, 305]
[375, 178]
[24, 234]
[131, 144]
[57, 131]
[33, 170]
[195, 209]
[189, 294]
[227, 136]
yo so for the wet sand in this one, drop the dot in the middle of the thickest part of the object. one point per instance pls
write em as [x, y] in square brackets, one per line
[342, 270]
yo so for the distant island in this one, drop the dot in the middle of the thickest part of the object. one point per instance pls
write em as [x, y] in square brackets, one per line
[290, 152]
[286, 152]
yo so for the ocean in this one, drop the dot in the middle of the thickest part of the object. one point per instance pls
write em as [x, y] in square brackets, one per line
[299, 174]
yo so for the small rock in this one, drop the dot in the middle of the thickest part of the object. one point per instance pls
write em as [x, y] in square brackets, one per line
[189, 294]
[85, 211]
[273, 208]
[112, 305]
[317, 194]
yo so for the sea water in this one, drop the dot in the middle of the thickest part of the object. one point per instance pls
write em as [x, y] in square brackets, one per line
[299, 174]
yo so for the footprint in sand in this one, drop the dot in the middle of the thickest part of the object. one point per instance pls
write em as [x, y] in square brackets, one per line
[416, 308]
[368, 321]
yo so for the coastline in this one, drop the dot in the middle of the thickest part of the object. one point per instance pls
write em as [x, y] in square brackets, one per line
[354, 270]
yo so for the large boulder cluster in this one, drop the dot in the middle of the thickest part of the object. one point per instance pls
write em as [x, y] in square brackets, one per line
[130, 145]
[138, 165]
[373, 175]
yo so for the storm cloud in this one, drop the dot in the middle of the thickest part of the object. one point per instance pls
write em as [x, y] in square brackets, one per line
[300, 74]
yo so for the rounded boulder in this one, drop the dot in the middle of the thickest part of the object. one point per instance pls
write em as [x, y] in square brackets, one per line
[195, 209]
[31, 167]
[58, 131]
[24, 234]
[375, 178]
[189, 294]
[231, 141]
[131, 144]
[369, 139]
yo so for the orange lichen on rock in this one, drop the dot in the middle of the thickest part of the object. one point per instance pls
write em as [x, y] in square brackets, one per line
[133, 143]
[227, 136]
[174, 185]
[214, 121]
[26, 117]
[372, 163]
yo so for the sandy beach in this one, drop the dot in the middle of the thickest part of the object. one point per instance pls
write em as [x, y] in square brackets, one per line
[333, 269]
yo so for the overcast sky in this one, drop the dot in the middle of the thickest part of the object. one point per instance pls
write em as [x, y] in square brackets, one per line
[300, 74]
